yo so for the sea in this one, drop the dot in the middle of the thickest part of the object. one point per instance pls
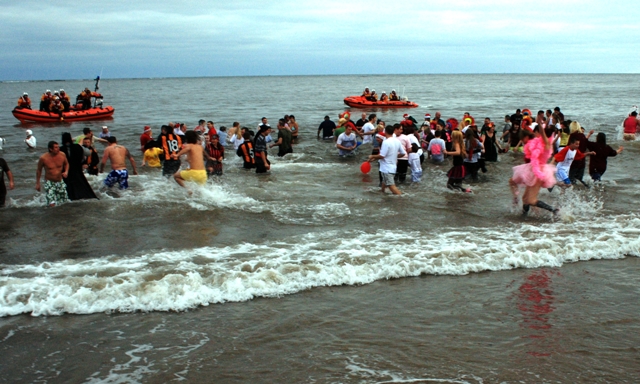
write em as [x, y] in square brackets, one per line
[310, 274]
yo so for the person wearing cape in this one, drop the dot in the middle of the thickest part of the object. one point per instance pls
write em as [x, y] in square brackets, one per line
[78, 187]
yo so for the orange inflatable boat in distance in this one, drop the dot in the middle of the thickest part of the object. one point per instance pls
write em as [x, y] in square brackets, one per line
[29, 115]
[362, 102]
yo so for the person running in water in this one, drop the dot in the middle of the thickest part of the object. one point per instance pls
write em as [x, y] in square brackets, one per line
[535, 174]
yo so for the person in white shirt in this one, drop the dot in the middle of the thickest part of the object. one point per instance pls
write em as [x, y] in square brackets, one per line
[347, 142]
[414, 155]
[368, 129]
[403, 161]
[388, 158]
[30, 140]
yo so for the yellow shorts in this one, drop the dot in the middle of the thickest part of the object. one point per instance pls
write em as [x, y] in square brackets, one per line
[197, 176]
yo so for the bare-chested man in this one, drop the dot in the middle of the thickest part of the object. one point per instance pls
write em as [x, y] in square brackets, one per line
[56, 167]
[195, 157]
[117, 154]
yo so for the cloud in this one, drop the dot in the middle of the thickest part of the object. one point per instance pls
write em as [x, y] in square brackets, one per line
[202, 38]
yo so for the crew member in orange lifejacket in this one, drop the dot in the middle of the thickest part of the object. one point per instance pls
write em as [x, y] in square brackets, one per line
[366, 92]
[45, 101]
[56, 106]
[171, 145]
[24, 101]
[384, 97]
[245, 150]
[372, 97]
[393, 96]
[65, 100]
[86, 96]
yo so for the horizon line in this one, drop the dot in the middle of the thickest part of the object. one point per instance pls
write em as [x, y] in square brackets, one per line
[328, 75]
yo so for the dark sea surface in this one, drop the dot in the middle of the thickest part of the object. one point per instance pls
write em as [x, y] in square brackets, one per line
[310, 273]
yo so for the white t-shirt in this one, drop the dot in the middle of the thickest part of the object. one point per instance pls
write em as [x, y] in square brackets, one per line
[31, 141]
[565, 164]
[389, 151]
[236, 142]
[346, 141]
[414, 140]
[368, 127]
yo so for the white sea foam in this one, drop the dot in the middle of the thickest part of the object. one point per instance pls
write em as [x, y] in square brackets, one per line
[176, 281]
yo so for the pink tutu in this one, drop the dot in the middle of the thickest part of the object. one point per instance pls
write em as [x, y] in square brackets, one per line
[523, 174]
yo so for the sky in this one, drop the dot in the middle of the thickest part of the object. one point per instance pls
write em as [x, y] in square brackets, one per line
[141, 38]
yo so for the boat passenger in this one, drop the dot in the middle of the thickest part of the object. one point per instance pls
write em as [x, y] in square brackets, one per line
[366, 92]
[393, 96]
[65, 100]
[373, 96]
[384, 97]
[56, 106]
[24, 102]
[86, 96]
[45, 101]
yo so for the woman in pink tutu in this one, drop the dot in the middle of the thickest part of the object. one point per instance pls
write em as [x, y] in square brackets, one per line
[536, 173]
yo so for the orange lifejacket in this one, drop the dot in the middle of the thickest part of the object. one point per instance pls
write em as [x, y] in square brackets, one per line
[22, 103]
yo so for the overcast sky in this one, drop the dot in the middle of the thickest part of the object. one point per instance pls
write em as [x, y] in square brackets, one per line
[141, 38]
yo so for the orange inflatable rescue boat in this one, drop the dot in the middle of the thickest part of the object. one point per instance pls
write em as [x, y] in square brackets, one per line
[29, 115]
[362, 102]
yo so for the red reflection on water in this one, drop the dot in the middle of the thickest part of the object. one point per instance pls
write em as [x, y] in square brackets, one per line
[535, 302]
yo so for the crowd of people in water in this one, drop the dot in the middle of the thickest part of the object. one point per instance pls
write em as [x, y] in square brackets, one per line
[59, 101]
[398, 148]
[64, 164]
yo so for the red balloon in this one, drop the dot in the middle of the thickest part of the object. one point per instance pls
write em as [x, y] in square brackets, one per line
[365, 167]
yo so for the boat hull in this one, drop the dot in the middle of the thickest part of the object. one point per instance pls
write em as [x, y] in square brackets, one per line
[361, 102]
[29, 115]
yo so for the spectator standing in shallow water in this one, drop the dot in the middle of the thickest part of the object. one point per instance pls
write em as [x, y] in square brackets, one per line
[326, 127]
[30, 140]
[346, 142]
[260, 149]
[437, 148]
[285, 138]
[576, 172]
[388, 156]
[195, 157]
[457, 173]
[171, 144]
[214, 154]
[245, 150]
[78, 187]
[598, 161]
[4, 168]
[56, 167]
[491, 145]
[116, 155]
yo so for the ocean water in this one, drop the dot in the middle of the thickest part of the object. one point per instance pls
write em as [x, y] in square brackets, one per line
[310, 274]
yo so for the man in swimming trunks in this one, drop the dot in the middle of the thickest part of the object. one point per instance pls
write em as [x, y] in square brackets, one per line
[195, 158]
[116, 155]
[56, 167]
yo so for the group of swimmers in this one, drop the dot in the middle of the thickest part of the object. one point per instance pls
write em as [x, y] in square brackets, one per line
[59, 101]
[471, 147]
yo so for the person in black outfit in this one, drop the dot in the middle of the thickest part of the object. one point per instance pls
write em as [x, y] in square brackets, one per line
[77, 185]
[327, 127]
